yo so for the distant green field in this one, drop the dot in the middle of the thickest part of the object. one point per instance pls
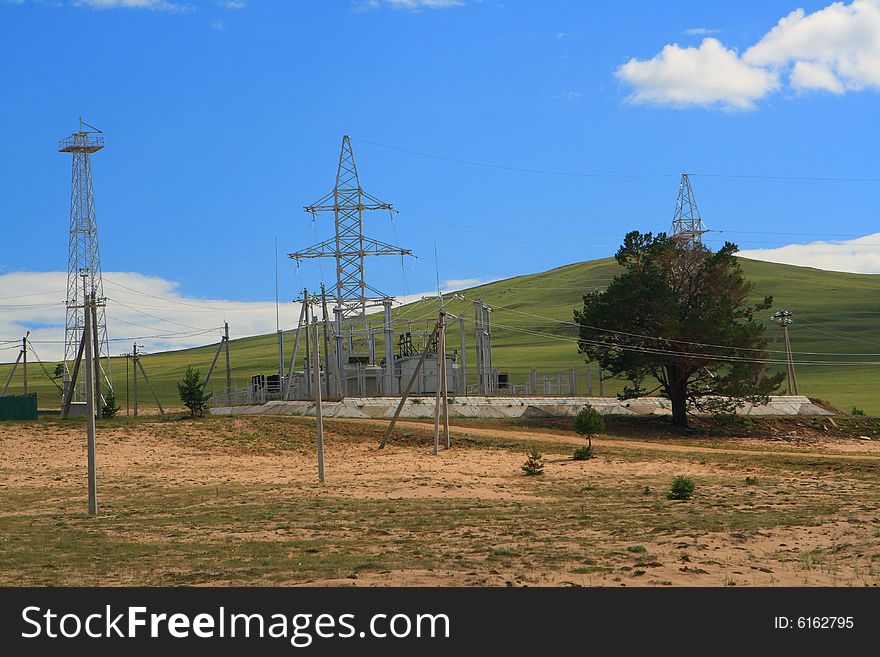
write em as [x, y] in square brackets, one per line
[834, 313]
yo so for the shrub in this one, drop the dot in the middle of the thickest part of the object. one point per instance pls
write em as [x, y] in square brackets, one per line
[192, 392]
[858, 411]
[588, 422]
[534, 465]
[682, 488]
[582, 454]
[637, 548]
[109, 407]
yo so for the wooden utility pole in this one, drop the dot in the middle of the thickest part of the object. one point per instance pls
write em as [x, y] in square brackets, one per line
[319, 416]
[90, 401]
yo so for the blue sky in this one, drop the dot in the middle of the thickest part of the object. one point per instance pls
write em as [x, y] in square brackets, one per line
[222, 119]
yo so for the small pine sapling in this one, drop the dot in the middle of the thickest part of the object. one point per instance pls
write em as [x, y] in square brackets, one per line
[588, 422]
[534, 464]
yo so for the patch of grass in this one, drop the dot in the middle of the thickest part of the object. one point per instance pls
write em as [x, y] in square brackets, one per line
[637, 548]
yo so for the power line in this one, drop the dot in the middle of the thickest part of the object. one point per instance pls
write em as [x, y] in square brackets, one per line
[581, 174]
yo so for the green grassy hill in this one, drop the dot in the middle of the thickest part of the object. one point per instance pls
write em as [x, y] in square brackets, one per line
[833, 312]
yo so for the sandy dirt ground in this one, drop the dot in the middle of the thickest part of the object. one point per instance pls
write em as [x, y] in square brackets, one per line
[45, 463]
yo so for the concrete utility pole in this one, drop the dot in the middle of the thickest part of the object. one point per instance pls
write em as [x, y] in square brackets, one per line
[409, 385]
[445, 392]
[303, 320]
[90, 400]
[478, 334]
[228, 370]
[127, 363]
[140, 365]
[326, 327]
[462, 365]
[96, 351]
[134, 367]
[24, 360]
[319, 416]
[783, 318]
[438, 395]
[389, 349]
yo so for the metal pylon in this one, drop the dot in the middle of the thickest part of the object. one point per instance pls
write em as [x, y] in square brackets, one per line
[347, 202]
[83, 255]
[687, 225]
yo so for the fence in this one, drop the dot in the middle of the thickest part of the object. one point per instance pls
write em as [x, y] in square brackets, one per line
[19, 407]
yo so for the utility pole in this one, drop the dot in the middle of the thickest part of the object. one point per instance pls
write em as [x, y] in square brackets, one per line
[96, 351]
[438, 395]
[278, 326]
[150, 385]
[478, 335]
[228, 370]
[11, 372]
[303, 320]
[445, 392]
[134, 367]
[462, 366]
[783, 318]
[127, 359]
[326, 322]
[389, 349]
[90, 400]
[319, 417]
[409, 385]
[24, 360]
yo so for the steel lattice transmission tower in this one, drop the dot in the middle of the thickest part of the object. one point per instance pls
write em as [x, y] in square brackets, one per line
[84, 256]
[687, 224]
[349, 247]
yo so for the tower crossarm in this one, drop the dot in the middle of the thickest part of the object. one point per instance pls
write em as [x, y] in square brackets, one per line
[328, 249]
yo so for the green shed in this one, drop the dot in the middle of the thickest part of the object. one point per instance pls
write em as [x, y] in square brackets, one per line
[18, 407]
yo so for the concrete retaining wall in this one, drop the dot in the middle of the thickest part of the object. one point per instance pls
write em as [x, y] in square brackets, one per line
[505, 407]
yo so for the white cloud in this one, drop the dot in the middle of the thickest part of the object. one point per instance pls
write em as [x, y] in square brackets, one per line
[152, 5]
[412, 5]
[841, 40]
[834, 49]
[709, 75]
[701, 31]
[857, 256]
[35, 301]
[812, 75]
[217, 26]
[150, 309]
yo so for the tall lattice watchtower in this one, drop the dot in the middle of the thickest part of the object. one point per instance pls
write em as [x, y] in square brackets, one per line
[84, 257]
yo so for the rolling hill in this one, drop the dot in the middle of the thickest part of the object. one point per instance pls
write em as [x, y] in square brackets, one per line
[834, 313]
